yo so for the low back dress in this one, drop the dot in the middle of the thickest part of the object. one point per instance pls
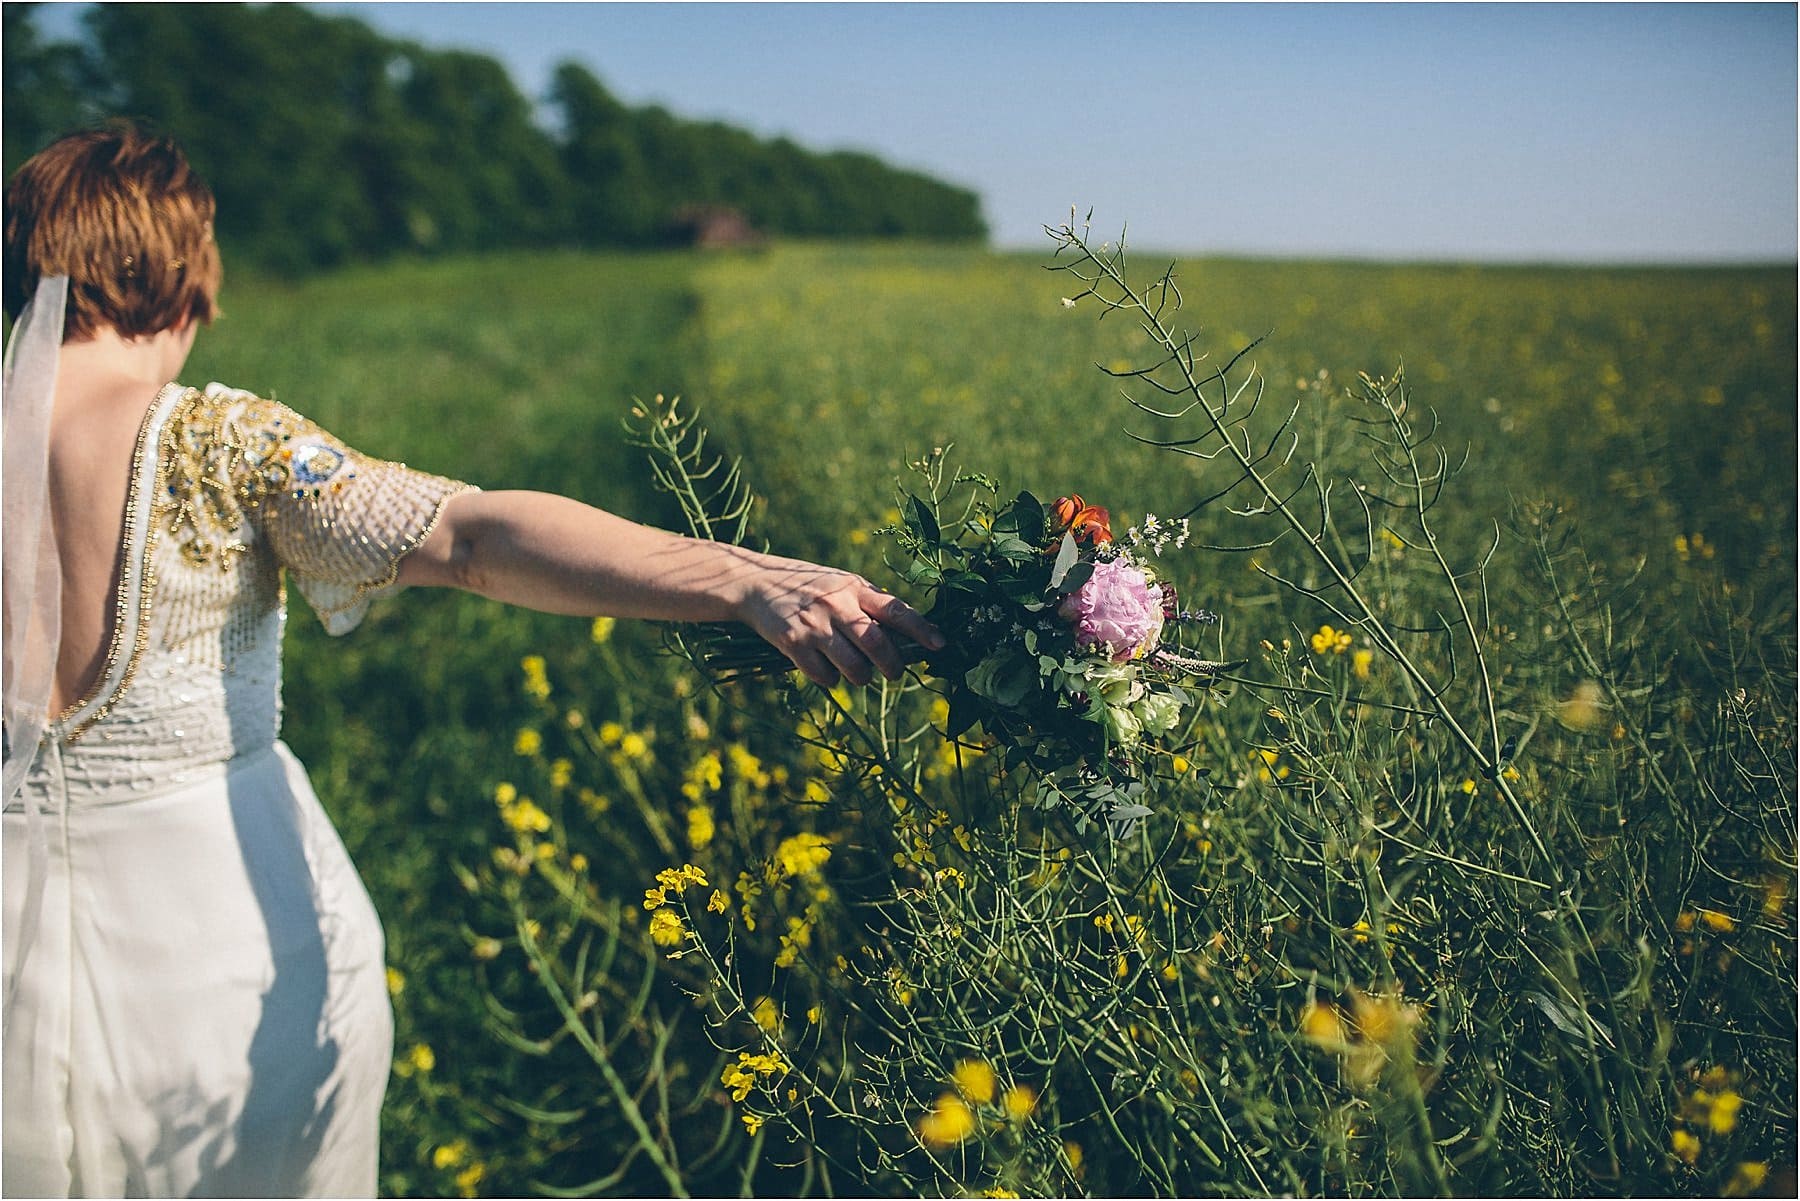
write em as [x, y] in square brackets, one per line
[202, 1006]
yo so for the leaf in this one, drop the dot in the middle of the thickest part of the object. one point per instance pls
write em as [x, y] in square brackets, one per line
[965, 711]
[920, 517]
[1014, 550]
[1015, 682]
[921, 572]
[1076, 577]
[1024, 517]
[1565, 1018]
[1065, 559]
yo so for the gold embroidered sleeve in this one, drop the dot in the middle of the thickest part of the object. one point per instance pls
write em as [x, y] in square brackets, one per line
[340, 522]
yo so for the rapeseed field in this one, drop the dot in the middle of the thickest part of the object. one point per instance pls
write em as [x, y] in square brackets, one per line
[651, 937]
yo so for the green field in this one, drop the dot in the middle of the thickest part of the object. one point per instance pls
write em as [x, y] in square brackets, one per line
[1629, 431]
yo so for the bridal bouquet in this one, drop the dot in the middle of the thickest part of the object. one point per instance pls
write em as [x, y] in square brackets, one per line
[1063, 642]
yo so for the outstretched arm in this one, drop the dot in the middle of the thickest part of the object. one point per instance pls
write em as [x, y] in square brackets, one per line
[558, 555]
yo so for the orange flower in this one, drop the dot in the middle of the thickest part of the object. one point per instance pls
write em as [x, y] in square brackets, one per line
[1093, 525]
[1089, 523]
[1063, 512]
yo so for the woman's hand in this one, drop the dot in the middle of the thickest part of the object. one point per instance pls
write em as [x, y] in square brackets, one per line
[830, 622]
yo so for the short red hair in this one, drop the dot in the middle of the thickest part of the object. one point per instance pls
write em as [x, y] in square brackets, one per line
[121, 213]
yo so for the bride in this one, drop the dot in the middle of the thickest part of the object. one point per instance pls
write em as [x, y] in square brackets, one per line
[194, 977]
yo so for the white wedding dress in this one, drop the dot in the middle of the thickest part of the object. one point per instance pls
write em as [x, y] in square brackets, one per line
[201, 1006]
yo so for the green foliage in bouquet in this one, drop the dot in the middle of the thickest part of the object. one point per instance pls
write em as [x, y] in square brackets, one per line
[1062, 641]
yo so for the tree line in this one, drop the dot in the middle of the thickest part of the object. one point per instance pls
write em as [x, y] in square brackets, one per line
[327, 142]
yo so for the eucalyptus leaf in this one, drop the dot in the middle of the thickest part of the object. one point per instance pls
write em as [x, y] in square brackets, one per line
[1066, 555]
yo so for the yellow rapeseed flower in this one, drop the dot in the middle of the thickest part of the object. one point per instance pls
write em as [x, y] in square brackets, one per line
[1747, 1179]
[537, 682]
[634, 746]
[949, 1122]
[1360, 662]
[561, 773]
[602, 630]
[396, 981]
[666, 929]
[975, 1080]
[1721, 1118]
[448, 1155]
[1321, 1024]
[745, 766]
[421, 1057]
[803, 854]
[1329, 641]
[528, 742]
[742, 1076]
[526, 818]
[752, 1121]
[766, 1015]
[718, 902]
[700, 828]
[708, 772]
[505, 794]
[1383, 1019]
[1717, 922]
[1019, 1102]
[485, 948]
[1685, 1145]
[469, 1179]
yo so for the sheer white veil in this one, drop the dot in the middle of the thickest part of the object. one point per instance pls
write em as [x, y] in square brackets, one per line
[31, 588]
[30, 570]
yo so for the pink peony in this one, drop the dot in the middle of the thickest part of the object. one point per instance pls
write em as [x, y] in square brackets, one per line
[1116, 606]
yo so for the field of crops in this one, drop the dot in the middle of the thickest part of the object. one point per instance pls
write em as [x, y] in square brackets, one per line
[1352, 951]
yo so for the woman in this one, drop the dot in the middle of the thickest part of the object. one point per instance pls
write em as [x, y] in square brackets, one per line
[194, 988]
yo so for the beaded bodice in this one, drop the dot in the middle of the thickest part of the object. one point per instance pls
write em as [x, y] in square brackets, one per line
[229, 493]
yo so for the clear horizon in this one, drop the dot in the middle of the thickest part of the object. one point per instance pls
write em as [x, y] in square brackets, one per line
[1610, 133]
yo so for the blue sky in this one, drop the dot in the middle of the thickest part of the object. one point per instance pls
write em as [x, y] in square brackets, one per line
[1609, 132]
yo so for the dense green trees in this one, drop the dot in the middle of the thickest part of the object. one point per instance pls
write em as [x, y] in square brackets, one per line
[328, 142]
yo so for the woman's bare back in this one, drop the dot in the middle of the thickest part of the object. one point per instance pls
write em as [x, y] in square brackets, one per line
[104, 391]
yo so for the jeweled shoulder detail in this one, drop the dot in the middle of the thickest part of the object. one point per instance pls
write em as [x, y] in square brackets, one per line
[284, 452]
[228, 451]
